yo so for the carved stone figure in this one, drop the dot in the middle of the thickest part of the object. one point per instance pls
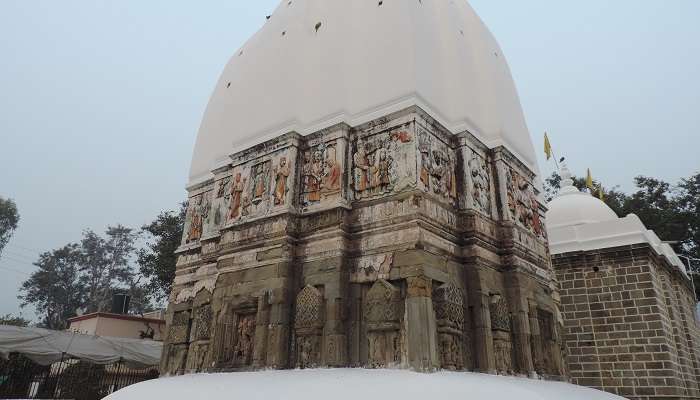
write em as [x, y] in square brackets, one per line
[361, 168]
[426, 161]
[281, 175]
[198, 209]
[501, 331]
[523, 204]
[245, 338]
[237, 188]
[310, 181]
[260, 177]
[480, 184]
[332, 172]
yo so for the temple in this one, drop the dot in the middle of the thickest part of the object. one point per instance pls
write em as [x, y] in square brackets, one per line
[365, 198]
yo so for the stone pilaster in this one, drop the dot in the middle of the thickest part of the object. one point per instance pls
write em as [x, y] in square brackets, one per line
[483, 337]
[421, 327]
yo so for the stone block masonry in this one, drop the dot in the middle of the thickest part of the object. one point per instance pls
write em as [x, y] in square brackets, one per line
[390, 244]
[629, 323]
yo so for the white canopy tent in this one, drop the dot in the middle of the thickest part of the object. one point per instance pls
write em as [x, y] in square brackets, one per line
[46, 347]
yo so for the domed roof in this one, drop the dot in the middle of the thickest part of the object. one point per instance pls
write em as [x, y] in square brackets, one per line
[316, 63]
[573, 207]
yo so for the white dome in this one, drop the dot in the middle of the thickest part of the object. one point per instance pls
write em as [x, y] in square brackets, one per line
[354, 384]
[316, 63]
[572, 207]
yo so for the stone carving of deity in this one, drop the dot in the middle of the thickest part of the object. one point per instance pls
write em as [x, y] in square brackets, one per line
[199, 209]
[311, 182]
[481, 185]
[237, 188]
[361, 168]
[260, 182]
[281, 174]
[331, 175]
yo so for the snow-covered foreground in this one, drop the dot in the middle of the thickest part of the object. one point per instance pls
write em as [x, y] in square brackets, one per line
[354, 384]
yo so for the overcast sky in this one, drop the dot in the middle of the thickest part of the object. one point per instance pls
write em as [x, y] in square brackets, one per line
[100, 101]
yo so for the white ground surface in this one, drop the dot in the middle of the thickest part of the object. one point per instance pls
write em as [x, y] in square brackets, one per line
[354, 384]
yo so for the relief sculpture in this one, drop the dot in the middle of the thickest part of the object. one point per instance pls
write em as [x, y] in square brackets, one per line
[321, 174]
[379, 163]
[197, 211]
[281, 175]
[448, 302]
[522, 203]
[480, 184]
[437, 166]
[383, 311]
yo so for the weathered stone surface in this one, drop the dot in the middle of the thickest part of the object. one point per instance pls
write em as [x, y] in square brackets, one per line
[379, 245]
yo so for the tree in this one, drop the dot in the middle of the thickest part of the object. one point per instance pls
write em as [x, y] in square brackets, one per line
[157, 261]
[54, 289]
[105, 265]
[12, 320]
[9, 218]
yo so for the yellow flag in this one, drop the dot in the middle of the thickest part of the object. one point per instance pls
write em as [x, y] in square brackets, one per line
[547, 146]
[589, 180]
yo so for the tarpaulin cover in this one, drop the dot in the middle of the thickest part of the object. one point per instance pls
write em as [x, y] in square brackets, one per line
[45, 347]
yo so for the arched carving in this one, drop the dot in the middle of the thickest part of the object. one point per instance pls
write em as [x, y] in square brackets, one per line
[383, 308]
[448, 302]
[308, 323]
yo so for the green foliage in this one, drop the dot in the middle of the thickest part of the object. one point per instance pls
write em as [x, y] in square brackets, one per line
[9, 219]
[54, 289]
[12, 320]
[105, 265]
[157, 260]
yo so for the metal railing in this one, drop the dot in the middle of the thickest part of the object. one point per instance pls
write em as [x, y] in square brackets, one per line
[21, 378]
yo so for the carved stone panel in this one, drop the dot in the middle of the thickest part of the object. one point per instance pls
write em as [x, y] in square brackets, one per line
[437, 166]
[309, 309]
[179, 331]
[479, 184]
[308, 324]
[500, 315]
[523, 207]
[202, 322]
[235, 339]
[383, 307]
[383, 163]
[221, 197]
[448, 302]
[198, 209]
[321, 173]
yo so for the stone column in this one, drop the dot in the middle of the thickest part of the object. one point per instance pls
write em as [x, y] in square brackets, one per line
[262, 320]
[334, 353]
[521, 337]
[483, 337]
[421, 328]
